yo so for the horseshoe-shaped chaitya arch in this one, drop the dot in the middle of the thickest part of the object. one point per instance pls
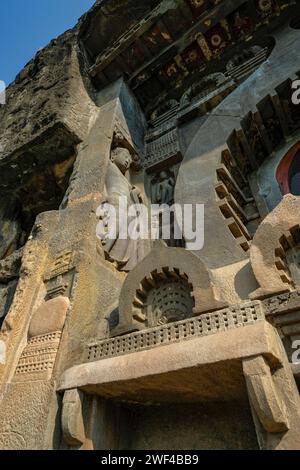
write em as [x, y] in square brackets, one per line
[183, 275]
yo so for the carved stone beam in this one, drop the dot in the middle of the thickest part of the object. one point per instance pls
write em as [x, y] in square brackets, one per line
[263, 395]
[206, 21]
[109, 54]
[72, 418]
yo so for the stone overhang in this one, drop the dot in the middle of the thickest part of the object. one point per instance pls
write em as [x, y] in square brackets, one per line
[208, 368]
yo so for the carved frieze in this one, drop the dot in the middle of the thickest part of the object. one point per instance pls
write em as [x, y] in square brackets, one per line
[59, 278]
[282, 304]
[244, 64]
[38, 358]
[283, 311]
[203, 325]
[163, 150]
[61, 265]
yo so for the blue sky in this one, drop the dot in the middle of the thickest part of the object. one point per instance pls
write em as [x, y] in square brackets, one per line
[27, 25]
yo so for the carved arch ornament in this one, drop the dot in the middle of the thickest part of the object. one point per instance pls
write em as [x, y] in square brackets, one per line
[169, 284]
[278, 231]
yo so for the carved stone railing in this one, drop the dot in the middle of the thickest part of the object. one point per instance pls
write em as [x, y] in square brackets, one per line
[207, 324]
[283, 311]
[242, 71]
[164, 148]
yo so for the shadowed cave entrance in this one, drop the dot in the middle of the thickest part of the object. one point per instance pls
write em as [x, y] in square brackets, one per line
[224, 425]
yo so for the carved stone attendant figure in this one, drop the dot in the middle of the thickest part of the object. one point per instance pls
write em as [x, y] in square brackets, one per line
[163, 188]
[162, 193]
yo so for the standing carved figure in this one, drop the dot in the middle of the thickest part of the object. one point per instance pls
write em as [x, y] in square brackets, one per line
[163, 188]
[162, 193]
[126, 253]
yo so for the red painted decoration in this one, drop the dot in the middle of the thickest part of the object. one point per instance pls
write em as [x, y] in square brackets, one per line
[288, 171]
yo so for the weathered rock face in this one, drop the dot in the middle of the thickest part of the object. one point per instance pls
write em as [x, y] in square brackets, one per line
[161, 102]
[46, 115]
[107, 21]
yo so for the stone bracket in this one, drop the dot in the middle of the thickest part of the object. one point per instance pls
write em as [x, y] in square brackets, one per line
[264, 396]
[72, 418]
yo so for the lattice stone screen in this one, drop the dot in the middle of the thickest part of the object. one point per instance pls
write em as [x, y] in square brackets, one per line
[207, 324]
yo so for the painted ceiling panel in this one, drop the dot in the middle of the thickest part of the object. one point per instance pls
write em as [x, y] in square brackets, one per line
[166, 45]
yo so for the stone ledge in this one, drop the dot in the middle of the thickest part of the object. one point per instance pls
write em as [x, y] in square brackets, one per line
[201, 369]
[203, 325]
